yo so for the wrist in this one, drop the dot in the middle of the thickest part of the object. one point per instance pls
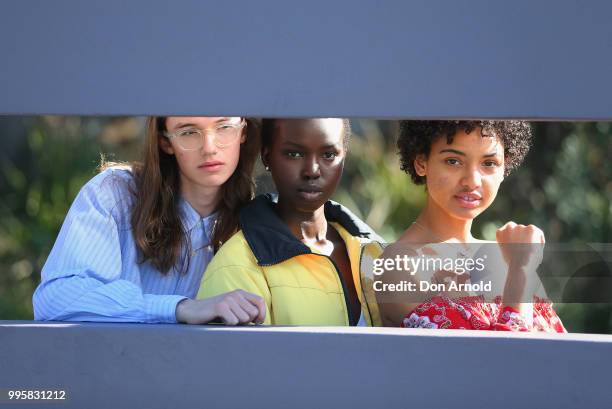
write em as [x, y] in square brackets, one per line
[517, 270]
[181, 310]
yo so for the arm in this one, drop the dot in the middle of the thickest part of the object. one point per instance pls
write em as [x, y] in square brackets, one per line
[522, 248]
[82, 277]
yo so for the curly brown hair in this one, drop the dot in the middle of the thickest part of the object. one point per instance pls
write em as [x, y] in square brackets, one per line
[415, 138]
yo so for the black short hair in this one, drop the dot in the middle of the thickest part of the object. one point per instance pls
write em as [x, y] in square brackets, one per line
[415, 138]
[268, 127]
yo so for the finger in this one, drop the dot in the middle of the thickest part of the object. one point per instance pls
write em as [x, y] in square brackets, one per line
[501, 233]
[259, 303]
[226, 314]
[532, 234]
[508, 225]
[539, 233]
[239, 301]
[248, 307]
[238, 311]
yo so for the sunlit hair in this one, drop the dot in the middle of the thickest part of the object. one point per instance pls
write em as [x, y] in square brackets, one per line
[156, 223]
[416, 137]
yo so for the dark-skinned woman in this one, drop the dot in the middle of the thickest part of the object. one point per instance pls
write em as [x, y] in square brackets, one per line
[298, 250]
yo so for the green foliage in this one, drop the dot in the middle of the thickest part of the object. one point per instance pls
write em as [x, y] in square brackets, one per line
[52, 158]
[375, 187]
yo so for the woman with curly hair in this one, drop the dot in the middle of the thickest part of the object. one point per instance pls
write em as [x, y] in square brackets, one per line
[462, 165]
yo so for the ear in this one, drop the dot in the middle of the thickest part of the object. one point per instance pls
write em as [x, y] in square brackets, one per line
[166, 146]
[420, 165]
[265, 155]
[243, 137]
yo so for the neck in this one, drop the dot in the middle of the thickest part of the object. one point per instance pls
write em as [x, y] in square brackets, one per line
[308, 227]
[203, 199]
[443, 226]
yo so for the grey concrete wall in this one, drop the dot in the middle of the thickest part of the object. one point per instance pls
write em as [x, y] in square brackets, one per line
[383, 59]
[164, 366]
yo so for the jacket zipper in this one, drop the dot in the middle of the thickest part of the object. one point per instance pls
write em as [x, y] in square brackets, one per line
[344, 289]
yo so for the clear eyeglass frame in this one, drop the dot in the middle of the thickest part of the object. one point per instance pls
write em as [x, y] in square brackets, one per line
[196, 136]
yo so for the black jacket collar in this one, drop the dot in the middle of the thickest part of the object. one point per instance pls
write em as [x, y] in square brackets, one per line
[272, 242]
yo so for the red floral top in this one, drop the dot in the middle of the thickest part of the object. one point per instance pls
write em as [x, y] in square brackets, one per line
[473, 312]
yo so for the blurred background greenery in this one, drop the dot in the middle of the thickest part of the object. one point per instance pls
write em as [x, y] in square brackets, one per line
[564, 187]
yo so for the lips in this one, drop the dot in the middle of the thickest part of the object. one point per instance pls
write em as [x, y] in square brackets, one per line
[310, 192]
[210, 166]
[468, 200]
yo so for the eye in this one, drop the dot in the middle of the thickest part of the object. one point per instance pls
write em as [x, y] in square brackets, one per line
[491, 164]
[225, 127]
[330, 155]
[294, 154]
[188, 132]
[452, 161]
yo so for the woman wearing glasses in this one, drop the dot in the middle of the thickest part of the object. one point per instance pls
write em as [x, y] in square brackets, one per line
[139, 236]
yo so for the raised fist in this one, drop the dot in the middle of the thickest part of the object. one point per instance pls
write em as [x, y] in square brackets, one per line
[522, 246]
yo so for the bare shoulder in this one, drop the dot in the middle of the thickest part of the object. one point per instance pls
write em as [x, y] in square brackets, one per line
[400, 248]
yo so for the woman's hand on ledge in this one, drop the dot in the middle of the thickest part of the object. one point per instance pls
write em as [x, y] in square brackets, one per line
[233, 308]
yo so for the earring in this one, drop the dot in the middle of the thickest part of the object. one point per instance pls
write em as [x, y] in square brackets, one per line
[267, 168]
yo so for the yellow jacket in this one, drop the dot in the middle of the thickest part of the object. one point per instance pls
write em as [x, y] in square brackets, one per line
[299, 285]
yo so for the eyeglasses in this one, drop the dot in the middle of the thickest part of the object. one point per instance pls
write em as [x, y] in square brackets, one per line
[192, 139]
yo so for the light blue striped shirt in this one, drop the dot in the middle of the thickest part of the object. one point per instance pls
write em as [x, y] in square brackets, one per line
[92, 272]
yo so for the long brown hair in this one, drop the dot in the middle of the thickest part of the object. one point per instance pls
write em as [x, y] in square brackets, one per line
[156, 224]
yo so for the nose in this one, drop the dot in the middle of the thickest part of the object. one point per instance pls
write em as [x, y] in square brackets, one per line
[209, 147]
[311, 168]
[472, 179]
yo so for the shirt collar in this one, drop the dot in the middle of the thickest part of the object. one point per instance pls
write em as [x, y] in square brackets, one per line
[270, 239]
[192, 219]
